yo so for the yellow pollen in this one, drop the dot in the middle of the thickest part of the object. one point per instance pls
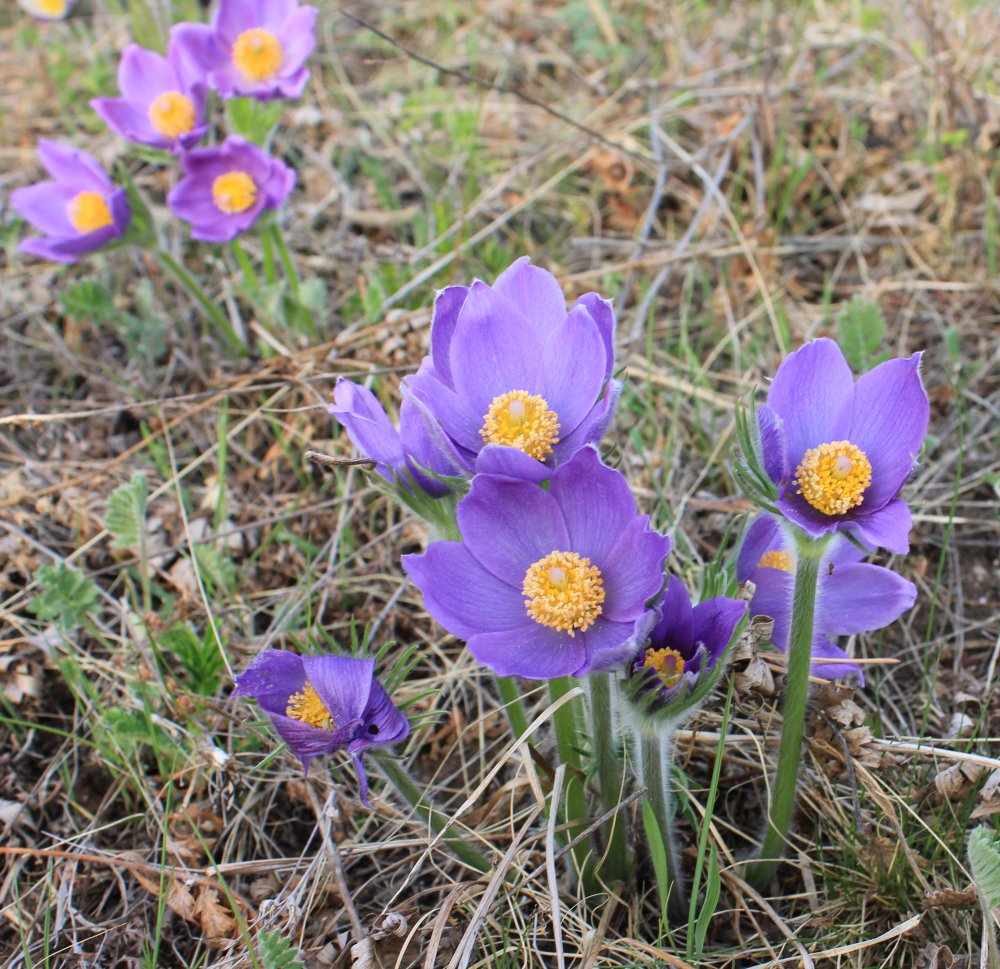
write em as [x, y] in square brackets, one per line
[776, 559]
[172, 114]
[563, 591]
[307, 707]
[88, 212]
[50, 8]
[833, 477]
[257, 54]
[668, 664]
[234, 192]
[522, 420]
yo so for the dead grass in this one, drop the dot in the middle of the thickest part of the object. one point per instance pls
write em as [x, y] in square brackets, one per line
[732, 177]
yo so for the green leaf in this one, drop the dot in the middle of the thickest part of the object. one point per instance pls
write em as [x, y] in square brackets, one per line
[658, 854]
[199, 657]
[860, 329]
[88, 300]
[277, 952]
[713, 888]
[252, 119]
[312, 295]
[217, 571]
[126, 518]
[67, 596]
[984, 860]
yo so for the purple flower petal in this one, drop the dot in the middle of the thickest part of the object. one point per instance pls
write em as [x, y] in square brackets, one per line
[675, 627]
[343, 683]
[368, 427]
[891, 411]
[592, 428]
[508, 525]
[461, 594]
[763, 535]
[382, 723]
[143, 75]
[73, 167]
[887, 528]
[531, 650]
[510, 462]
[535, 292]
[458, 416]
[832, 663]
[274, 672]
[633, 571]
[859, 597]
[44, 206]
[715, 621]
[447, 305]
[773, 444]
[608, 644]
[813, 394]
[603, 314]
[299, 38]
[195, 50]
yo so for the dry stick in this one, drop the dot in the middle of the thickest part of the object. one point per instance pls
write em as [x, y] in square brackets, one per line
[550, 868]
[489, 85]
[323, 819]
[332, 461]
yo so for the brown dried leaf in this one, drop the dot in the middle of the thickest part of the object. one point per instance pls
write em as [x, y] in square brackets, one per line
[217, 922]
[953, 783]
[990, 797]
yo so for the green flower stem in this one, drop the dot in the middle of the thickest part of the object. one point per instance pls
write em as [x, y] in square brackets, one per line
[577, 817]
[291, 274]
[246, 266]
[221, 321]
[610, 775]
[783, 789]
[413, 795]
[513, 705]
[655, 754]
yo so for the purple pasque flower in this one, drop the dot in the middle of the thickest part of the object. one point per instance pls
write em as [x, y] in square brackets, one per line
[399, 454]
[79, 209]
[839, 449]
[47, 9]
[162, 102]
[321, 704]
[546, 582]
[852, 596]
[517, 384]
[225, 188]
[253, 48]
[684, 646]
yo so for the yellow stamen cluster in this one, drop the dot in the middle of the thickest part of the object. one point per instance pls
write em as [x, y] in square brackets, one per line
[776, 559]
[563, 591]
[49, 8]
[234, 192]
[833, 477]
[307, 707]
[88, 212]
[668, 664]
[257, 54]
[522, 420]
[172, 114]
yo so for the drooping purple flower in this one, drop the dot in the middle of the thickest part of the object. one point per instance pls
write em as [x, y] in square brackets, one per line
[517, 384]
[399, 454]
[253, 48]
[546, 583]
[321, 704]
[839, 449]
[47, 9]
[162, 102]
[852, 596]
[225, 188]
[684, 646]
[79, 210]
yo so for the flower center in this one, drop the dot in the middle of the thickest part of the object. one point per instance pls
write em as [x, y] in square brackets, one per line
[171, 114]
[668, 664]
[306, 707]
[833, 477]
[257, 54]
[563, 591]
[234, 192]
[51, 8]
[776, 559]
[522, 420]
[88, 212]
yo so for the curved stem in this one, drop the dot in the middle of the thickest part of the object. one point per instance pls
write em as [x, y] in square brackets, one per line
[222, 322]
[413, 795]
[655, 755]
[610, 776]
[784, 785]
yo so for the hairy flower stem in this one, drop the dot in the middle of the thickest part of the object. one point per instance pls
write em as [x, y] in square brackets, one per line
[199, 295]
[400, 779]
[513, 705]
[576, 816]
[610, 776]
[655, 756]
[784, 786]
